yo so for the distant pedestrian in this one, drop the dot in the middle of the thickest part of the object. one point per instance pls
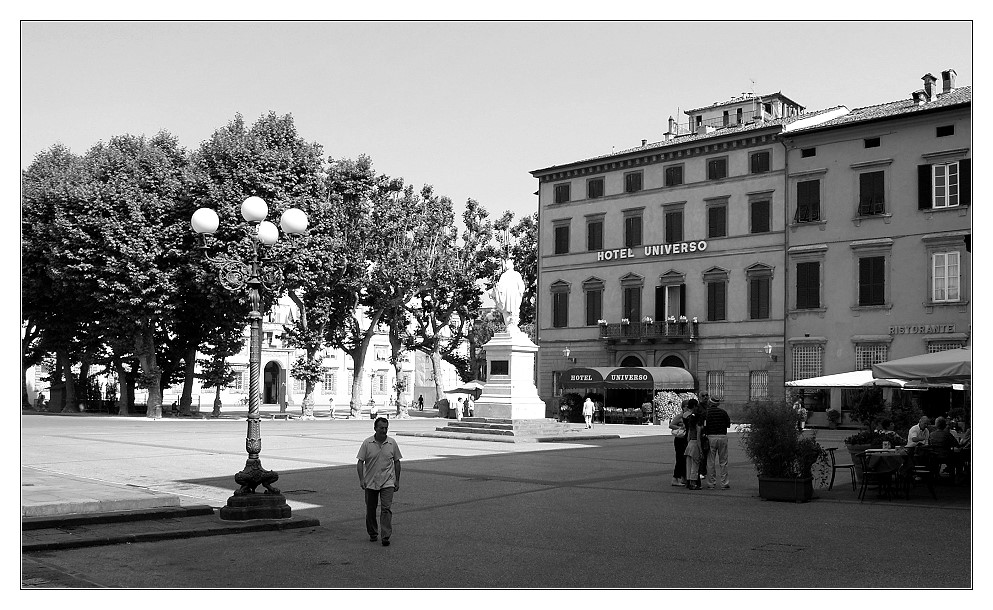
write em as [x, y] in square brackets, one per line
[379, 476]
[716, 429]
[458, 409]
[679, 443]
[588, 412]
[470, 406]
[420, 402]
[694, 430]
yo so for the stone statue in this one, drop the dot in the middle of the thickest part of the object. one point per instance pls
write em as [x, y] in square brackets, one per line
[507, 296]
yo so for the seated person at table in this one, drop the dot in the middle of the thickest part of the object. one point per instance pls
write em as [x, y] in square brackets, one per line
[919, 433]
[942, 443]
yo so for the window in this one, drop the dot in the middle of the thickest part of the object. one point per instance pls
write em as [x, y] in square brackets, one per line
[717, 294]
[808, 285]
[870, 142]
[944, 130]
[299, 386]
[717, 220]
[738, 115]
[240, 381]
[594, 234]
[940, 346]
[594, 188]
[673, 226]
[379, 383]
[759, 162]
[945, 277]
[330, 382]
[872, 280]
[758, 385]
[715, 384]
[632, 182]
[674, 175]
[562, 194]
[807, 360]
[717, 168]
[632, 303]
[670, 300]
[560, 309]
[945, 185]
[760, 212]
[632, 230]
[594, 306]
[808, 201]
[727, 118]
[382, 354]
[759, 292]
[871, 198]
[808, 152]
[868, 354]
[562, 239]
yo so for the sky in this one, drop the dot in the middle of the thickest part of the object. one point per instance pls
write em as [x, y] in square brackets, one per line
[470, 107]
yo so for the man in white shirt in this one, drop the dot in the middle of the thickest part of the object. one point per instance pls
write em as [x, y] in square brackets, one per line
[919, 433]
[379, 475]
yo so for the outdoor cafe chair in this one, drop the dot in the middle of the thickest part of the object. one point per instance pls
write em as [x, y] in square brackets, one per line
[835, 466]
[923, 469]
[883, 478]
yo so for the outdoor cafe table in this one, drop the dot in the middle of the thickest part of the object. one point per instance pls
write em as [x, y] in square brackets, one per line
[888, 459]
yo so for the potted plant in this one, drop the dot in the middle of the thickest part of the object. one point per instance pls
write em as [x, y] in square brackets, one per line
[870, 439]
[782, 455]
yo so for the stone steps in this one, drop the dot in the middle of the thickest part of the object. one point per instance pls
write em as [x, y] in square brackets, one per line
[501, 427]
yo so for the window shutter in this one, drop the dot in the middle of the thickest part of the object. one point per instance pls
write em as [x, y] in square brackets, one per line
[682, 299]
[711, 301]
[965, 182]
[660, 302]
[924, 193]
[865, 194]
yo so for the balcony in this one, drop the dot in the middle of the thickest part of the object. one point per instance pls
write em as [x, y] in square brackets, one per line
[649, 332]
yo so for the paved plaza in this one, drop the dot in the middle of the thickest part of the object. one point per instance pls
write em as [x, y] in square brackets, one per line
[470, 514]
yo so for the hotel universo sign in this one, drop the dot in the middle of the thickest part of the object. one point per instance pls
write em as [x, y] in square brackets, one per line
[684, 247]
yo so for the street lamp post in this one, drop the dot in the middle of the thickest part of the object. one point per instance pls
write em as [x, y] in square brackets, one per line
[257, 274]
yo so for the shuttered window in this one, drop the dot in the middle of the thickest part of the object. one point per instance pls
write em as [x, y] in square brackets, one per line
[632, 303]
[871, 198]
[562, 239]
[717, 301]
[808, 285]
[673, 226]
[717, 168]
[632, 182]
[594, 188]
[759, 162]
[674, 175]
[717, 221]
[632, 231]
[594, 235]
[808, 201]
[560, 309]
[872, 280]
[760, 216]
[594, 307]
[561, 193]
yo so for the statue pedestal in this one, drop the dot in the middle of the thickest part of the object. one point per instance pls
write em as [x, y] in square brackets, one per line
[510, 392]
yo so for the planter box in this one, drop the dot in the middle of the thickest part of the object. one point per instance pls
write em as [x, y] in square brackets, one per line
[786, 490]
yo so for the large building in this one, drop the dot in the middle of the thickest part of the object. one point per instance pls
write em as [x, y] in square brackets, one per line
[760, 243]
[671, 254]
[879, 230]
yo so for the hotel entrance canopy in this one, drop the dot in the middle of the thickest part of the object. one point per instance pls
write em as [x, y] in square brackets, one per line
[629, 377]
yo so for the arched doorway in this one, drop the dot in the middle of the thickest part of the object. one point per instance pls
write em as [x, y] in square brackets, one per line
[272, 380]
[675, 361]
[632, 361]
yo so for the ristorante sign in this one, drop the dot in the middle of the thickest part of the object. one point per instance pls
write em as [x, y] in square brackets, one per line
[683, 247]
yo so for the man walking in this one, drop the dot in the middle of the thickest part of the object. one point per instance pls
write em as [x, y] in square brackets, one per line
[716, 430]
[379, 475]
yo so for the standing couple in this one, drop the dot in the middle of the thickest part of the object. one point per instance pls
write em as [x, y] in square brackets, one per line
[700, 440]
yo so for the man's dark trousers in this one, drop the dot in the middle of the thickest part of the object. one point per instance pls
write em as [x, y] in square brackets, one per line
[384, 498]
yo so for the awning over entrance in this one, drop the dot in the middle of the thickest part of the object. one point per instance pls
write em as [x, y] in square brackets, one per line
[631, 377]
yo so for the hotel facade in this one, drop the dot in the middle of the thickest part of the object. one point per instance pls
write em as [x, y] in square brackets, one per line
[683, 253]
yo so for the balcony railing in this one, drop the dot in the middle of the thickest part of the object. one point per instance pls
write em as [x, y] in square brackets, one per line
[662, 330]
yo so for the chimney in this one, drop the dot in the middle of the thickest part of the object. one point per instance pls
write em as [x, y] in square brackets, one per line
[918, 97]
[672, 129]
[929, 81]
[644, 142]
[947, 80]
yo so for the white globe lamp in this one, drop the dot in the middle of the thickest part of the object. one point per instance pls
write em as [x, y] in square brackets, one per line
[204, 221]
[268, 233]
[293, 221]
[254, 209]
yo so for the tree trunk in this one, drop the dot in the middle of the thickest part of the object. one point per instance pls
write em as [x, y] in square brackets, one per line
[358, 360]
[435, 359]
[186, 400]
[124, 390]
[217, 403]
[82, 382]
[69, 395]
[144, 343]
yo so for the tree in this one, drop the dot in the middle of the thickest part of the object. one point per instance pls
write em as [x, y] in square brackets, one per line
[445, 311]
[272, 161]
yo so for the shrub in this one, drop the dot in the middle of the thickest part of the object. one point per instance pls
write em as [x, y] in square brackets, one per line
[774, 443]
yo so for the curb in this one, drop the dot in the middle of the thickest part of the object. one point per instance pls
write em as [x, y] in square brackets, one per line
[506, 438]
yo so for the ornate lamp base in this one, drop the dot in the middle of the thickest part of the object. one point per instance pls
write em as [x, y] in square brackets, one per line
[246, 504]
